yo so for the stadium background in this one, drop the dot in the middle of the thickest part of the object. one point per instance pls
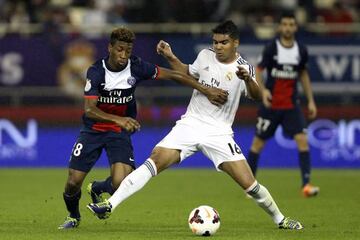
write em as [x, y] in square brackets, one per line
[47, 45]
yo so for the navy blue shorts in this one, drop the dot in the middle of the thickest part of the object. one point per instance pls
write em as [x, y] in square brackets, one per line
[89, 146]
[292, 122]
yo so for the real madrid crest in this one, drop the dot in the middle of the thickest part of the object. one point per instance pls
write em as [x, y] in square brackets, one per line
[229, 76]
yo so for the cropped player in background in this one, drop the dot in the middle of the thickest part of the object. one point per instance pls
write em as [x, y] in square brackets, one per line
[205, 127]
[109, 119]
[285, 61]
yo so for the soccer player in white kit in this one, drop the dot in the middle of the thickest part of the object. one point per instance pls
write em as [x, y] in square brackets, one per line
[206, 127]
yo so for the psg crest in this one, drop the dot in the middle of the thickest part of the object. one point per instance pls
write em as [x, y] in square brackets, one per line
[131, 81]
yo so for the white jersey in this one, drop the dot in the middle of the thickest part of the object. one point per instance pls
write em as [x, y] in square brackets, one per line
[210, 72]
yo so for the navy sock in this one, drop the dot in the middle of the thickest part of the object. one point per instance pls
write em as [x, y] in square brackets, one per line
[304, 162]
[72, 204]
[253, 161]
[99, 187]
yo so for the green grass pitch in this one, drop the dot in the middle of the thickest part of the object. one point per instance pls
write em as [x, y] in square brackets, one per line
[31, 206]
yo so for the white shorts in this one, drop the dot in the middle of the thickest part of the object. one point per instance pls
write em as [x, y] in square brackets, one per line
[190, 139]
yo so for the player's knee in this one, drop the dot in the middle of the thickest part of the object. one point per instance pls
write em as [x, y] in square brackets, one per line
[164, 158]
[160, 164]
[303, 147]
[302, 142]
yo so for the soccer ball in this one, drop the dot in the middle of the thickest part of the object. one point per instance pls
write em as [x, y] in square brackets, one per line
[204, 220]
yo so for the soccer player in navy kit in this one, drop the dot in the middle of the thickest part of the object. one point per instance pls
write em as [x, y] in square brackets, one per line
[109, 118]
[285, 61]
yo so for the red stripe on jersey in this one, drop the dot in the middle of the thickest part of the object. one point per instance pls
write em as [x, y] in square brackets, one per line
[282, 94]
[157, 72]
[118, 110]
[106, 127]
[91, 97]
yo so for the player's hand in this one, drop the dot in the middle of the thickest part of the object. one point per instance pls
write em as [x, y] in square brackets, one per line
[312, 110]
[243, 74]
[217, 96]
[127, 123]
[163, 48]
[266, 98]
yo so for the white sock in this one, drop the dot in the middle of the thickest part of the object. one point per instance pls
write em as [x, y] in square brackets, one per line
[133, 182]
[263, 198]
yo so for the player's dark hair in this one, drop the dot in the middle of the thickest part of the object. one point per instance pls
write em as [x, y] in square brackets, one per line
[229, 28]
[122, 34]
[287, 14]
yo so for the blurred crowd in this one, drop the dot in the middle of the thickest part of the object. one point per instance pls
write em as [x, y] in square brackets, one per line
[244, 12]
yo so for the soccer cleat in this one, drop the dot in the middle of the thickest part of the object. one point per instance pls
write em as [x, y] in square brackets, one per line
[288, 223]
[102, 209]
[70, 223]
[310, 190]
[96, 198]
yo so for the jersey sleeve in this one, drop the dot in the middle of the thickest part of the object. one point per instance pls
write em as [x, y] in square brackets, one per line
[304, 58]
[147, 71]
[251, 71]
[194, 68]
[265, 57]
[93, 79]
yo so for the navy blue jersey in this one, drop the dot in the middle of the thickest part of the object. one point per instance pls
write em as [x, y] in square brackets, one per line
[114, 91]
[283, 66]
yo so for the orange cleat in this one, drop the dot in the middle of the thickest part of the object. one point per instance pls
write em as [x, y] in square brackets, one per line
[310, 190]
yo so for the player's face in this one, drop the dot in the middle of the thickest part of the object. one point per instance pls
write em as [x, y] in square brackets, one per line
[119, 53]
[287, 27]
[225, 47]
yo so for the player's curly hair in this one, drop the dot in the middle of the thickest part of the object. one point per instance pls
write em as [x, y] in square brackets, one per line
[122, 34]
[229, 28]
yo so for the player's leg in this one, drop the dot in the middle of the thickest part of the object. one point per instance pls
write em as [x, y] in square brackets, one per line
[160, 159]
[227, 156]
[304, 156]
[266, 125]
[71, 196]
[118, 172]
[84, 155]
[166, 153]
[308, 189]
[241, 173]
[294, 126]
[120, 154]
[254, 153]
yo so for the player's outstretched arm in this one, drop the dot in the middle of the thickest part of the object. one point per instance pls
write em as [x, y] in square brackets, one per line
[216, 96]
[251, 85]
[305, 81]
[266, 94]
[163, 48]
[93, 112]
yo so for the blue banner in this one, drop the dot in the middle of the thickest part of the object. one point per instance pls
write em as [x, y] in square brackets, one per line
[333, 145]
[48, 63]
